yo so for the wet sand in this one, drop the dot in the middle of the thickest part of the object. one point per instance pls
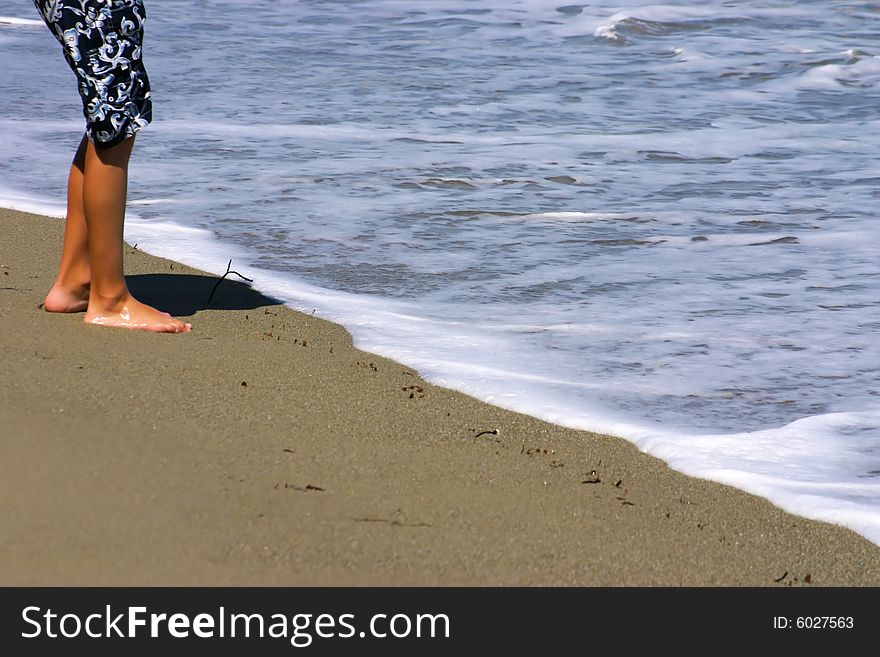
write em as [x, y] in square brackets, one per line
[263, 448]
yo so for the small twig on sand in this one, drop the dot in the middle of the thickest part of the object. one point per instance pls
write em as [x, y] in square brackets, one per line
[393, 523]
[228, 271]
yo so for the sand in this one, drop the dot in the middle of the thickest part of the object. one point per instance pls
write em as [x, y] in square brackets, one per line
[264, 449]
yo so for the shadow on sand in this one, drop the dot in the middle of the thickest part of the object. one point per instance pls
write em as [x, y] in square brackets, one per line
[184, 294]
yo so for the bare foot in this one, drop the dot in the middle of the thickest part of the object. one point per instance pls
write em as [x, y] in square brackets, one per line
[65, 299]
[132, 314]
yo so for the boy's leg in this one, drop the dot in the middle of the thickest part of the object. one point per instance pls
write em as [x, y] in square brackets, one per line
[70, 292]
[104, 194]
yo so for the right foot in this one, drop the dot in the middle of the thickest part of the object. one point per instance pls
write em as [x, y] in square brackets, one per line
[65, 299]
[132, 314]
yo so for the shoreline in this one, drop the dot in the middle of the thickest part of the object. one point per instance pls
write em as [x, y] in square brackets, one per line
[264, 448]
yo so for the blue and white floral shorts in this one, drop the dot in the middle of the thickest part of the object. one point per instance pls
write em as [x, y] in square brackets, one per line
[102, 42]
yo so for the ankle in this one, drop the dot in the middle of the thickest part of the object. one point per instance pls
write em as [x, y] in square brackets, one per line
[109, 302]
[72, 282]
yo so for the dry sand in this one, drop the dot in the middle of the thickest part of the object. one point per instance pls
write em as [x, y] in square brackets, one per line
[264, 449]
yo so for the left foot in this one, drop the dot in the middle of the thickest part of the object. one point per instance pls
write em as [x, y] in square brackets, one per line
[65, 299]
[127, 312]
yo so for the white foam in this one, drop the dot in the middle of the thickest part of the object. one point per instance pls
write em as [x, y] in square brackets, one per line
[862, 74]
[27, 203]
[654, 13]
[575, 216]
[156, 201]
[24, 22]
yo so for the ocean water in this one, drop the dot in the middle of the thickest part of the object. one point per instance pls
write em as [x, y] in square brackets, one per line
[653, 220]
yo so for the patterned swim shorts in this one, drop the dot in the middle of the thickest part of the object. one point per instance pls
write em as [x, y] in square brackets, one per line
[102, 44]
